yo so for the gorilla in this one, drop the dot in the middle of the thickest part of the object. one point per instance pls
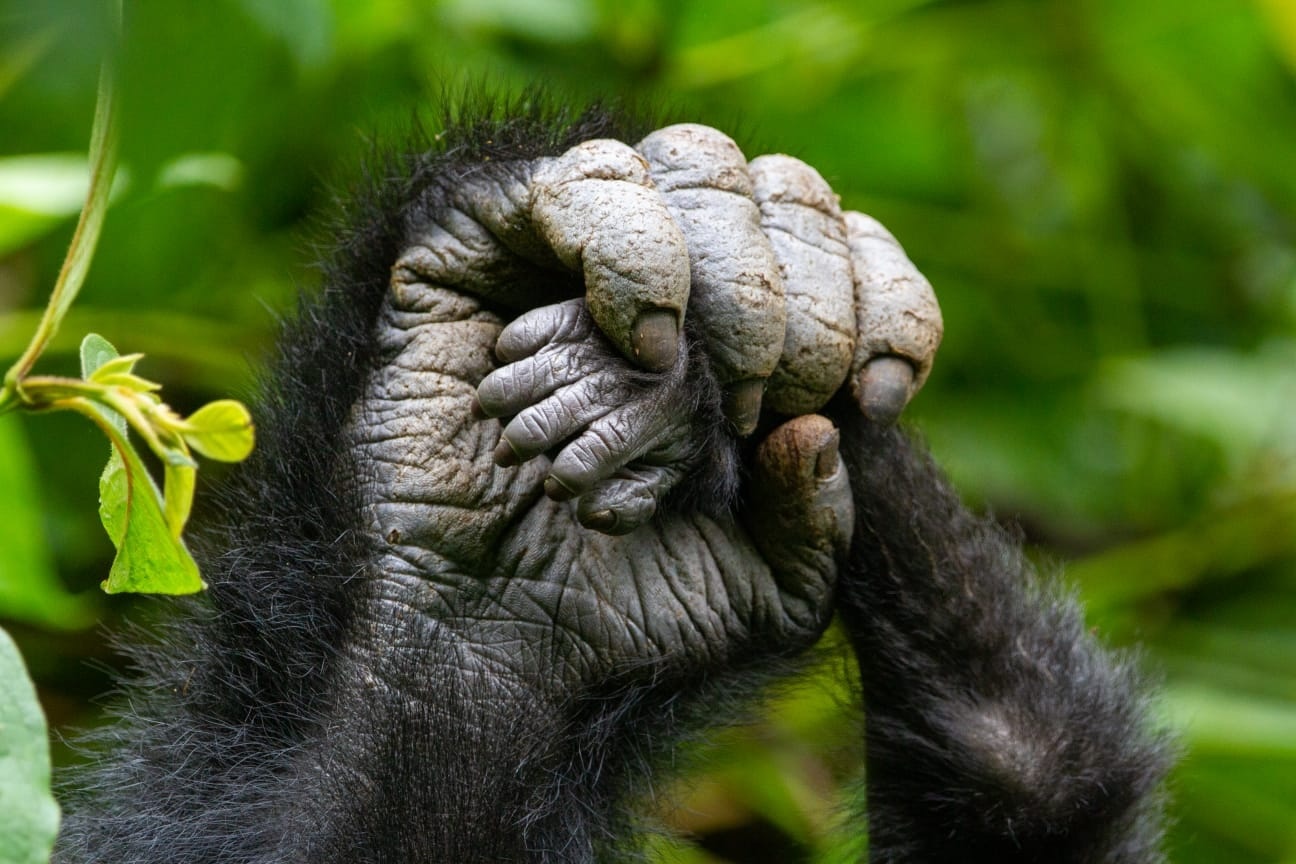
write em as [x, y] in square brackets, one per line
[579, 446]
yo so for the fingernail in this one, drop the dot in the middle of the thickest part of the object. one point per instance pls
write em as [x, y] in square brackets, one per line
[476, 409]
[742, 404]
[505, 456]
[826, 464]
[884, 388]
[557, 490]
[601, 520]
[655, 339]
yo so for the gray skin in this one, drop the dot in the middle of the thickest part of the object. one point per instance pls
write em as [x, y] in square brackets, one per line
[454, 639]
[555, 573]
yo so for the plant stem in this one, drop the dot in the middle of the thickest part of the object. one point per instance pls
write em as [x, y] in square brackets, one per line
[103, 166]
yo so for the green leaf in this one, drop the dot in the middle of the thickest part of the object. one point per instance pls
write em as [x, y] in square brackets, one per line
[37, 194]
[1240, 401]
[53, 184]
[20, 227]
[145, 530]
[553, 21]
[113, 498]
[150, 558]
[130, 382]
[178, 496]
[218, 170]
[221, 430]
[29, 816]
[1229, 722]
[96, 352]
[177, 457]
[113, 366]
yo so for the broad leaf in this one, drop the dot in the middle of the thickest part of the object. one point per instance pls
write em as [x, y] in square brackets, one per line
[113, 497]
[96, 352]
[150, 558]
[37, 194]
[29, 816]
[111, 364]
[178, 492]
[221, 430]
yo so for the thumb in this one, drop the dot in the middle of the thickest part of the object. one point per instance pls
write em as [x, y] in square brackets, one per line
[801, 513]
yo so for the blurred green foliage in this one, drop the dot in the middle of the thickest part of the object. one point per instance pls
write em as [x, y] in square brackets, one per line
[1103, 193]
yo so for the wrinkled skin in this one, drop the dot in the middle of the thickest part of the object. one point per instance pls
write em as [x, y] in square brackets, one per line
[487, 541]
[478, 580]
[476, 577]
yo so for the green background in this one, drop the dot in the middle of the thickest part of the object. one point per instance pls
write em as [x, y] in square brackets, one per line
[1103, 193]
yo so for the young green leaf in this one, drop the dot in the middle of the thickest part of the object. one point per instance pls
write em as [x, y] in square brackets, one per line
[221, 430]
[29, 817]
[177, 496]
[95, 352]
[128, 381]
[150, 558]
[111, 366]
[114, 493]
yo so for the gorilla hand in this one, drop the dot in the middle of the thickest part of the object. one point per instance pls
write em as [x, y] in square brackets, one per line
[505, 571]
[769, 243]
[782, 284]
[627, 437]
[410, 652]
[526, 652]
[463, 534]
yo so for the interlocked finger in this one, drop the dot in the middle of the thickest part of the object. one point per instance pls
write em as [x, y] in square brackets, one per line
[528, 333]
[801, 217]
[899, 321]
[546, 349]
[548, 423]
[736, 301]
[596, 208]
[628, 499]
[618, 438]
[787, 297]
[607, 445]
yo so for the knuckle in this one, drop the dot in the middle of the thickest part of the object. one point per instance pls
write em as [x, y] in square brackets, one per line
[532, 427]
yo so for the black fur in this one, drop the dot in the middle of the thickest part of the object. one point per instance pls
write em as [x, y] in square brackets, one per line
[997, 730]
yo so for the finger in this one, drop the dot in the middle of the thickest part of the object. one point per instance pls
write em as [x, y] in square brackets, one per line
[802, 513]
[509, 389]
[596, 207]
[884, 387]
[546, 424]
[736, 299]
[801, 217]
[533, 330]
[898, 321]
[607, 445]
[627, 500]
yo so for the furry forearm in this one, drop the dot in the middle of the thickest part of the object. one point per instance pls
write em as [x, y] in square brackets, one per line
[998, 729]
